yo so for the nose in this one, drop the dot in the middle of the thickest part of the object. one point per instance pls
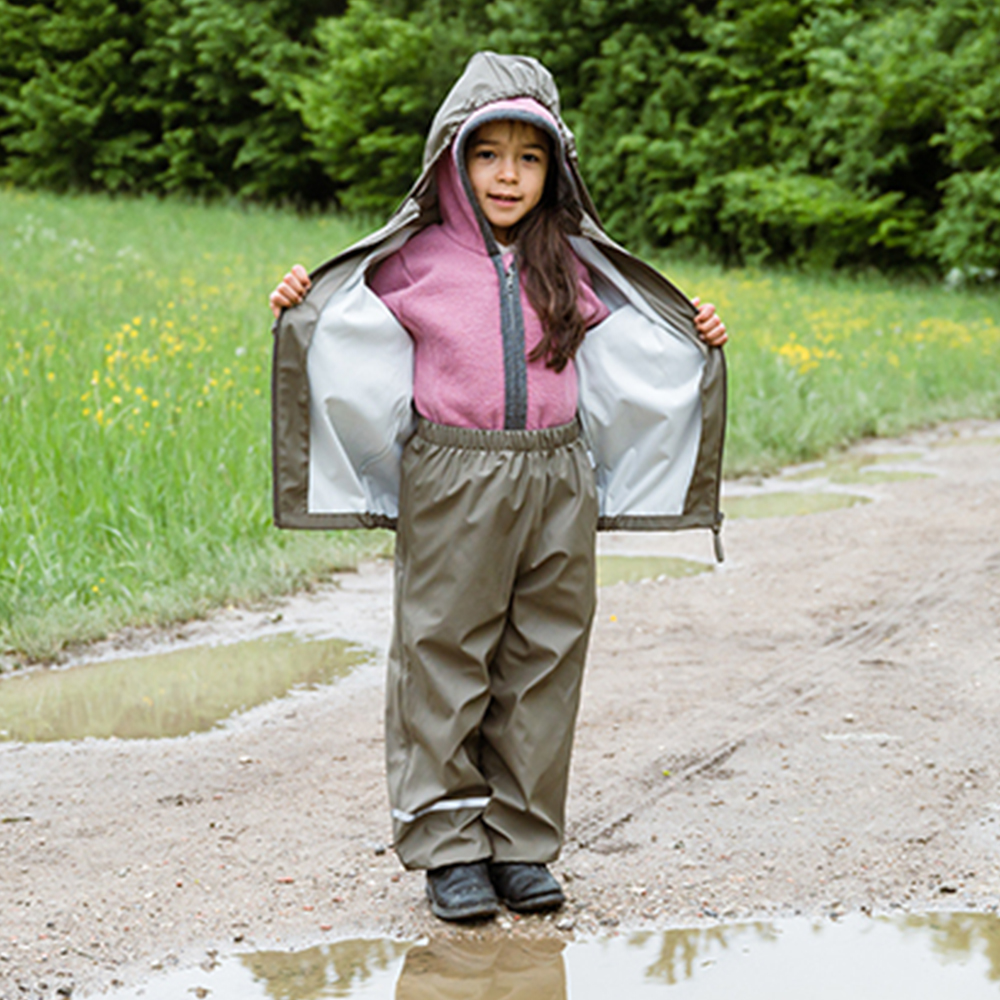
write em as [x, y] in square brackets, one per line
[508, 169]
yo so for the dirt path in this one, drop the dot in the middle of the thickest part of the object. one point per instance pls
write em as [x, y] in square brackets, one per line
[811, 727]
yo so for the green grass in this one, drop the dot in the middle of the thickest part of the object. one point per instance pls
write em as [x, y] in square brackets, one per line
[817, 362]
[134, 419]
[134, 422]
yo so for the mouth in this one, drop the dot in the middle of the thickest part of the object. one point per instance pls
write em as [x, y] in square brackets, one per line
[504, 199]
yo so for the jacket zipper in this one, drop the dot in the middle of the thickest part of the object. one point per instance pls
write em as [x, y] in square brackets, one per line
[512, 332]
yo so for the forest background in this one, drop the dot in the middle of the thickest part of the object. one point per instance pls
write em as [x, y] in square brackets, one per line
[828, 173]
[813, 132]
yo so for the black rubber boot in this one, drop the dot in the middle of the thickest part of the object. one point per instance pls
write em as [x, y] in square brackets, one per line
[462, 892]
[526, 887]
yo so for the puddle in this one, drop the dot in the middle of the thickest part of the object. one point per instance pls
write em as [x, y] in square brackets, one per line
[788, 504]
[169, 694]
[925, 957]
[959, 439]
[631, 569]
[859, 468]
[843, 470]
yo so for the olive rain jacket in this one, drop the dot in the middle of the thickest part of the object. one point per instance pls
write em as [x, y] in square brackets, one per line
[651, 393]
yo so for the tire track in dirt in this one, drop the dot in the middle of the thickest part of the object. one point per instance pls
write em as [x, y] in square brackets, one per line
[793, 682]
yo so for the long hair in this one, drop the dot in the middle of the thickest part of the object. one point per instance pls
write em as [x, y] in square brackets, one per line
[550, 271]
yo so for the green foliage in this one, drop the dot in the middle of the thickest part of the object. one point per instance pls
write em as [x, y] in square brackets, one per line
[368, 105]
[67, 113]
[637, 119]
[219, 78]
[818, 133]
[772, 214]
[966, 229]
[896, 103]
[815, 132]
[967, 232]
[162, 95]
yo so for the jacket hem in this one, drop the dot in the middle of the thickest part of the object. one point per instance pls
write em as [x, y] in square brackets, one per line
[333, 522]
[626, 522]
[658, 522]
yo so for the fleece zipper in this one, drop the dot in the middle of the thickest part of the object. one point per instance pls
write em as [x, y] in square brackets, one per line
[515, 365]
[515, 368]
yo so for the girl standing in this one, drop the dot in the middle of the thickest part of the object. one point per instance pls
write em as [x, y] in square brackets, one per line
[493, 377]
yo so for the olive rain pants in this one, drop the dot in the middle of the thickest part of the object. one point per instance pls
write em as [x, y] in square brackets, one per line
[494, 600]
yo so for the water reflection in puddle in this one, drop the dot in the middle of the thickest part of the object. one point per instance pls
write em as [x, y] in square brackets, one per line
[964, 439]
[170, 694]
[861, 468]
[355, 969]
[920, 957]
[788, 504]
[631, 569]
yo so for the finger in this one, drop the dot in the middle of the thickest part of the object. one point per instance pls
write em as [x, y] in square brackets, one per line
[292, 284]
[284, 297]
[716, 337]
[696, 301]
[293, 292]
[278, 301]
[298, 279]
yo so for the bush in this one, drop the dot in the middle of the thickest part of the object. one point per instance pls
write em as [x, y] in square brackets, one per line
[159, 95]
[367, 107]
[69, 117]
[813, 132]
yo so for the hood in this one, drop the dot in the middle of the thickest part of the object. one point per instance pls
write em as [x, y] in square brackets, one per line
[489, 77]
[498, 86]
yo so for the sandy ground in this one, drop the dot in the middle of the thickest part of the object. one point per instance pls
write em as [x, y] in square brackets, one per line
[810, 728]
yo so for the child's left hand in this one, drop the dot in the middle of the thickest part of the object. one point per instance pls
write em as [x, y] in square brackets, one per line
[709, 324]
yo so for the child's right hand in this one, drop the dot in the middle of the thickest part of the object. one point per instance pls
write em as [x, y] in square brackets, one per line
[289, 293]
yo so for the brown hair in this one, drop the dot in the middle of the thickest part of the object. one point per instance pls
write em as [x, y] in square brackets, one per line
[549, 267]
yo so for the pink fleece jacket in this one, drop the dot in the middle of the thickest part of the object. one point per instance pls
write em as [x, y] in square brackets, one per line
[444, 289]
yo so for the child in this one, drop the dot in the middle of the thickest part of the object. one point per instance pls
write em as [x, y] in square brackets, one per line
[492, 376]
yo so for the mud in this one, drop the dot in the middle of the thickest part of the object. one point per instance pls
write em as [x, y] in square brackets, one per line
[808, 729]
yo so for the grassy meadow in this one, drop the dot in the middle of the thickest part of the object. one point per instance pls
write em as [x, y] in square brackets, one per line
[134, 420]
[819, 361]
[134, 412]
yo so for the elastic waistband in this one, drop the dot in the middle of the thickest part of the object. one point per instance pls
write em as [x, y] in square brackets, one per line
[543, 439]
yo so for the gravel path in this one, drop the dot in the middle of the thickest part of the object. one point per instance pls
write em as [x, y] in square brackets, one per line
[810, 728]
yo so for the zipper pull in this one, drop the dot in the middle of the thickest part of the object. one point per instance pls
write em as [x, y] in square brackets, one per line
[720, 555]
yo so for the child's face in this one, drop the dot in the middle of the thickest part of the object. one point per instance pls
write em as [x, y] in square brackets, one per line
[507, 162]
